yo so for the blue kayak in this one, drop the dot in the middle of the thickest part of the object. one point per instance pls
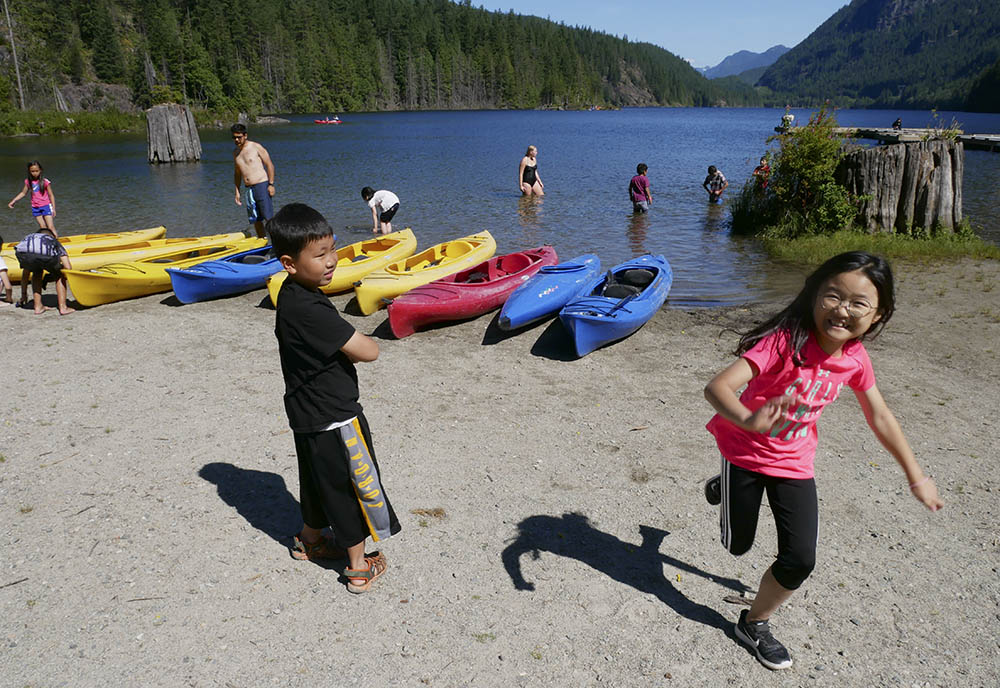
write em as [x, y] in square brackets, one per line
[547, 291]
[618, 303]
[233, 274]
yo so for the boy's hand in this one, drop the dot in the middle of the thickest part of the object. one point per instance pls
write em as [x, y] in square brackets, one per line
[238, 197]
[770, 414]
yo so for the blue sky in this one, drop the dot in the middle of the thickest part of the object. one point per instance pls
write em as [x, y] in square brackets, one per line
[702, 33]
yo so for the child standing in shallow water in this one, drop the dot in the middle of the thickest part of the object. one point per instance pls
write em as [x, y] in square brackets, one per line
[340, 481]
[793, 365]
[43, 200]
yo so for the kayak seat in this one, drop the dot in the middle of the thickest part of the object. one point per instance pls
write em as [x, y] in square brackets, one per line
[256, 259]
[637, 277]
[616, 290]
[508, 265]
[456, 248]
[477, 277]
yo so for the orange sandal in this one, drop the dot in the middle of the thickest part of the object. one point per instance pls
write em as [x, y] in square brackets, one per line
[324, 548]
[360, 580]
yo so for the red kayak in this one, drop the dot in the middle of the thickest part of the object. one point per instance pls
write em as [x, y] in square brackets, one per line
[328, 121]
[468, 293]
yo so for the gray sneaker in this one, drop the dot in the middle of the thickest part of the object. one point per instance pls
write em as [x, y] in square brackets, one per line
[713, 490]
[757, 636]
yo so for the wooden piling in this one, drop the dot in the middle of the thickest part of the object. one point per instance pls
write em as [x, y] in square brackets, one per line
[171, 134]
[907, 185]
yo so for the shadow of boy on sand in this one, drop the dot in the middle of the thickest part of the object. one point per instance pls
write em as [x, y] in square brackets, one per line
[640, 566]
[259, 497]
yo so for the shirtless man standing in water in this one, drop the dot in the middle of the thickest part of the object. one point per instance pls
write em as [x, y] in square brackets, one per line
[253, 166]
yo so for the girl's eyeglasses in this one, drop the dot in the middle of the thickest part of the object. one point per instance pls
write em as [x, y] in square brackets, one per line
[856, 309]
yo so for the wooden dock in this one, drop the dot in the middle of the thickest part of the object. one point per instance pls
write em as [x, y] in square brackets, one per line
[987, 142]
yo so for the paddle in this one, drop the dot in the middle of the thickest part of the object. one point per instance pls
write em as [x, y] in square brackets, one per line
[623, 302]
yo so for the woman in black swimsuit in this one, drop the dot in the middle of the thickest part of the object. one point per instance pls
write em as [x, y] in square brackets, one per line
[528, 178]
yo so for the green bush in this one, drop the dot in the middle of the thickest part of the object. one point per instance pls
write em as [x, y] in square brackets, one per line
[802, 197]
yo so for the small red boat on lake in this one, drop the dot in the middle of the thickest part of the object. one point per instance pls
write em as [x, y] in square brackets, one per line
[468, 293]
[335, 120]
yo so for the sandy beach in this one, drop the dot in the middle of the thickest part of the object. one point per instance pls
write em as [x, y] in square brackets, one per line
[554, 528]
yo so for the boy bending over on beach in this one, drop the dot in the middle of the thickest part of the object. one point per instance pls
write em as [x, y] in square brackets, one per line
[340, 482]
[41, 253]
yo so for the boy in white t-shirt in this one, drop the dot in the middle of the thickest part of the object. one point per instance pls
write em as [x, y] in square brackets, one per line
[384, 205]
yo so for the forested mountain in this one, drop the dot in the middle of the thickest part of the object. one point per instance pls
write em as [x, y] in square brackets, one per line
[985, 93]
[743, 60]
[893, 53]
[333, 55]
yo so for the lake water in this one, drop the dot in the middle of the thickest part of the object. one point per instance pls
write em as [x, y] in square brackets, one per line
[456, 173]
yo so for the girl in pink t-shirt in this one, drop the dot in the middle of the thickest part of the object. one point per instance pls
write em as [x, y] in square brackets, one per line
[793, 365]
[43, 200]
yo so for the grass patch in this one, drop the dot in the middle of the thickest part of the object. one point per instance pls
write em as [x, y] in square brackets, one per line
[436, 512]
[483, 637]
[27, 509]
[813, 250]
[50, 122]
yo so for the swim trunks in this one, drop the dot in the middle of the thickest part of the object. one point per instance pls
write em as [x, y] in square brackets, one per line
[41, 210]
[258, 202]
[389, 214]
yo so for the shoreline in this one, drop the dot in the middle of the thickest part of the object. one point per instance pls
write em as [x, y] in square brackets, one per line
[554, 529]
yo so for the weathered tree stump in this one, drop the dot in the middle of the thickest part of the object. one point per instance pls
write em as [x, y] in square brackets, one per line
[909, 185]
[171, 134]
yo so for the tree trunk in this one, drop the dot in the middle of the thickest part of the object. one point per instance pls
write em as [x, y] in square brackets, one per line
[908, 185]
[171, 134]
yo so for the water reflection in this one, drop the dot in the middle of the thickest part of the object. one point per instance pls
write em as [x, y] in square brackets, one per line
[716, 217]
[635, 232]
[531, 217]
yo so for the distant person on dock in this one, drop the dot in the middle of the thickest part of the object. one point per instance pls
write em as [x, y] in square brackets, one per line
[788, 118]
[41, 253]
[384, 205]
[715, 183]
[253, 167]
[43, 200]
[638, 190]
[762, 174]
[340, 482]
[527, 174]
[898, 124]
[790, 368]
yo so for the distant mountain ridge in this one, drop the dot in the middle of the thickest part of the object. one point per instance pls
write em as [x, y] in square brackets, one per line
[744, 60]
[892, 53]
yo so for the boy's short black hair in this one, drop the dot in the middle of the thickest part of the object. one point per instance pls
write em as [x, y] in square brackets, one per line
[641, 168]
[367, 193]
[238, 128]
[294, 226]
[712, 169]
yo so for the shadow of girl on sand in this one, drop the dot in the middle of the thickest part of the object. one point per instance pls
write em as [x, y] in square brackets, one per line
[640, 566]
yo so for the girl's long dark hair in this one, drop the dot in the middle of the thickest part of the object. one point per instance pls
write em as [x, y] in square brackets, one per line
[797, 317]
[41, 174]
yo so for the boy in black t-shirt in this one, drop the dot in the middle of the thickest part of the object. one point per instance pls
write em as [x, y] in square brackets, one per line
[339, 480]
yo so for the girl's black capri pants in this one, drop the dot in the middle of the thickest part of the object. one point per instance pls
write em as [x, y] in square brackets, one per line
[796, 517]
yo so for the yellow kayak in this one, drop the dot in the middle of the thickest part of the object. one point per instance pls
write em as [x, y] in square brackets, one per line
[354, 261]
[438, 261]
[127, 280]
[90, 257]
[74, 243]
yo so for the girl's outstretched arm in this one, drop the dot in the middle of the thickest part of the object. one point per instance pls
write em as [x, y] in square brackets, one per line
[721, 394]
[886, 428]
[24, 192]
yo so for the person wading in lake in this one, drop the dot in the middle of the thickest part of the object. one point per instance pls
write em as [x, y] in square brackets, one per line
[253, 166]
[527, 174]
